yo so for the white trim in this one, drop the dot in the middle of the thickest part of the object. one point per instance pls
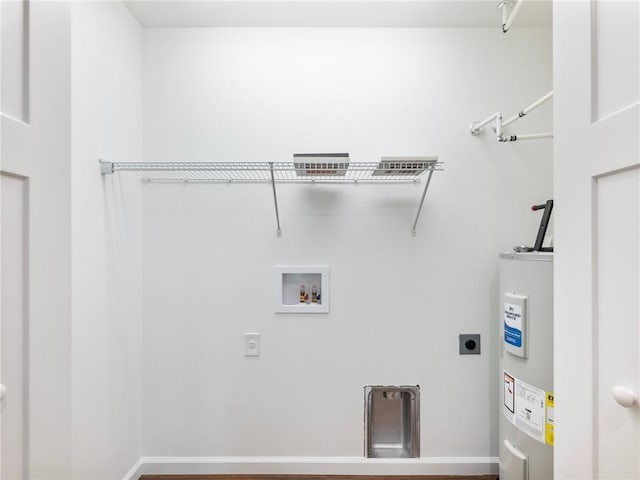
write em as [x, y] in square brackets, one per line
[313, 465]
[135, 471]
[14, 119]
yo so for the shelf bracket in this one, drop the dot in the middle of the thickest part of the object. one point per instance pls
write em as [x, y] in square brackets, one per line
[105, 167]
[424, 194]
[275, 199]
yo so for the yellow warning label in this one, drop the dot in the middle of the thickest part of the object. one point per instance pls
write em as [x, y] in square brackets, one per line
[549, 423]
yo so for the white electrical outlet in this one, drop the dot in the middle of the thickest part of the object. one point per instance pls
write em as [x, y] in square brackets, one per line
[251, 344]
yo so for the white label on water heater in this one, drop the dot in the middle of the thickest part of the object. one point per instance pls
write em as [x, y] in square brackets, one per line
[524, 406]
[529, 414]
[509, 397]
[515, 324]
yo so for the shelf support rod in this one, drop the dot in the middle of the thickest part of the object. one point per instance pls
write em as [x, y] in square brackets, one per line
[275, 198]
[424, 194]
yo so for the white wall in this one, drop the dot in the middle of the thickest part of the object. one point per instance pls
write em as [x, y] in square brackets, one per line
[106, 46]
[397, 302]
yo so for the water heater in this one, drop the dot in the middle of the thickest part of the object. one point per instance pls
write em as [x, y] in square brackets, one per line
[526, 366]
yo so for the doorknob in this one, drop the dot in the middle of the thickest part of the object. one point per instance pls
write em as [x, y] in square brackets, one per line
[3, 391]
[624, 396]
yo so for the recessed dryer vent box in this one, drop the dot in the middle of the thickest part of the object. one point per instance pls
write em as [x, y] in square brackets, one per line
[392, 421]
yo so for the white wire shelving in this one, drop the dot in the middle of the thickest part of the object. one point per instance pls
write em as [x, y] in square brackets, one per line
[409, 170]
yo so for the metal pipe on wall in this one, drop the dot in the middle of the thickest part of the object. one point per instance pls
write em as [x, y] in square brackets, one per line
[506, 24]
[505, 12]
[478, 126]
[528, 109]
[499, 124]
[529, 136]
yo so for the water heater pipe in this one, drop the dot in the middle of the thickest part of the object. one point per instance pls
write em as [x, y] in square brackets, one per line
[528, 109]
[477, 127]
[528, 136]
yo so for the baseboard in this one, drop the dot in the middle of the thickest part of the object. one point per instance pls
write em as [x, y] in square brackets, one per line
[135, 471]
[313, 465]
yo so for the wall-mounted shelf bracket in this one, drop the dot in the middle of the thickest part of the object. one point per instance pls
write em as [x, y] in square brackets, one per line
[275, 199]
[105, 167]
[424, 194]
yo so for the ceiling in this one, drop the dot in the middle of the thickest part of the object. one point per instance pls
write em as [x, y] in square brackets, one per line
[334, 13]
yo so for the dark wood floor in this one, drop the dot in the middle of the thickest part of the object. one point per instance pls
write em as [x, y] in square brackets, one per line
[318, 477]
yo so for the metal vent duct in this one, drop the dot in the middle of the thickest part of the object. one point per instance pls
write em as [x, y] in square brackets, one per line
[321, 164]
[397, 166]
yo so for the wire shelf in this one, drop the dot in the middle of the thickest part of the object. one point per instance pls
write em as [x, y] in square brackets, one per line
[283, 172]
[335, 168]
